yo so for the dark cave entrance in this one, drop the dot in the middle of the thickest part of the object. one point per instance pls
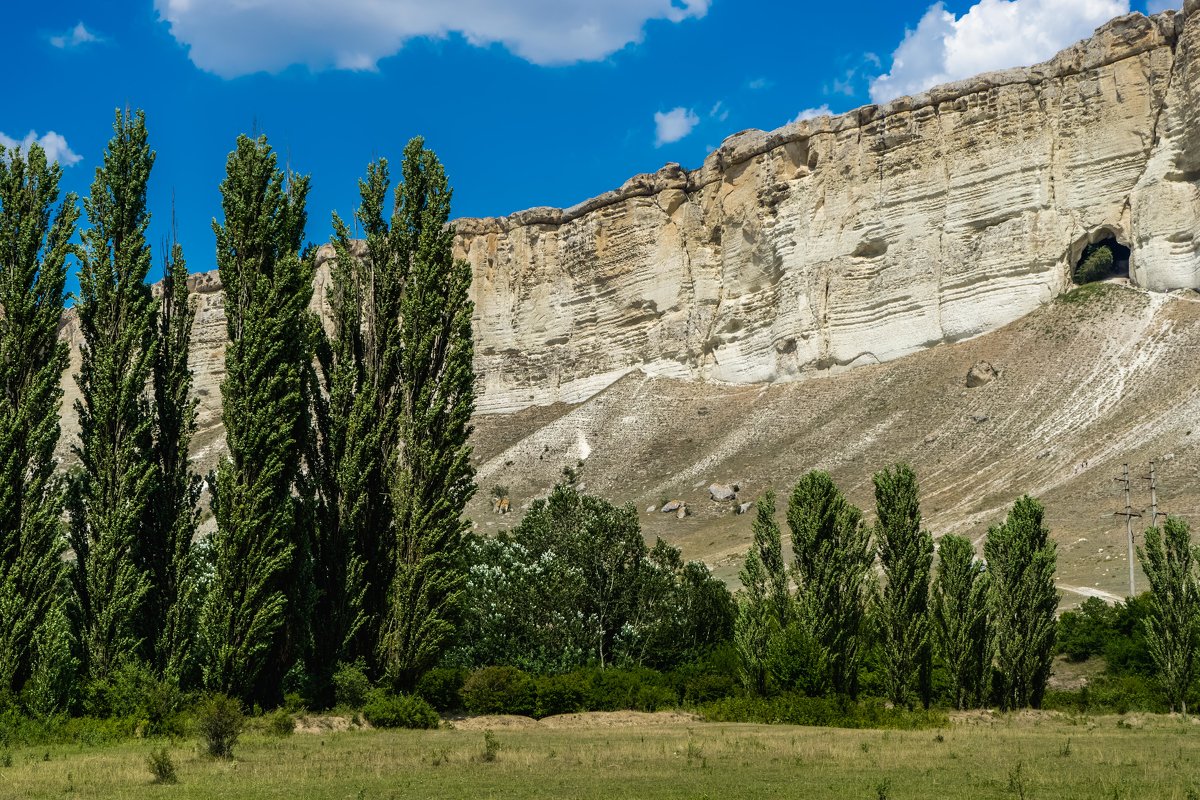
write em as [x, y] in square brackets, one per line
[1105, 258]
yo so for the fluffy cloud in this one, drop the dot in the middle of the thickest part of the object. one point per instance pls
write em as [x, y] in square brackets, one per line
[992, 34]
[813, 113]
[238, 37]
[54, 144]
[671, 126]
[79, 35]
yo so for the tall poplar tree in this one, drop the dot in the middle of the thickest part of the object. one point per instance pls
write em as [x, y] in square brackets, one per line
[906, 557]
[111, 490]
[171, 559]
[360, 431]
[1021, 560]
[257, 616]
[764, 605]
[960, 621]
[1173, 625]
[35, 240]
[833, 558]
[432, 479]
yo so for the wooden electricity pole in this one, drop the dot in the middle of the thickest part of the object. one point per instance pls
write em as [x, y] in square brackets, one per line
[1128, 514]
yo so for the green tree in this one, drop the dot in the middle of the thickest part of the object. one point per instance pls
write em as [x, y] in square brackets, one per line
[681, 612]
[111, 490]
[601, 562]
[1095, 265]
[359, 422]
[575, 585]
[257, 614]
[175, 565]
[1173, 626]
[906, 557]
[960, 621]
[35, 240]
[765, 604]
[833, 558]
[1021, 560]
[432, 479]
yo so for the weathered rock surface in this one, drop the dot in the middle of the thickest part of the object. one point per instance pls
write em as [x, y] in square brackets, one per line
[831, 243]
[854, 239]
[722, 493]
[981, 374]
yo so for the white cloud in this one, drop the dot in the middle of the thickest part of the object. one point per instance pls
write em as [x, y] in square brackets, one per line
[758, 84]
[720, 111]
[673, 125]
[1158, 6]
[813, 113]
[79, 35]
[991, 35]
[55, 145]
[238, 37]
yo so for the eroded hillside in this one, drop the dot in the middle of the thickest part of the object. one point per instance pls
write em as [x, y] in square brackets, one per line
[1103, 375]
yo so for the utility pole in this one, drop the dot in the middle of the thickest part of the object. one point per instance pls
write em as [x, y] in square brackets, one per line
[1128, 514]
[1154, 514]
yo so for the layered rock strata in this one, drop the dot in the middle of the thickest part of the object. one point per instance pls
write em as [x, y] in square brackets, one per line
[854, 239]
[835, 242]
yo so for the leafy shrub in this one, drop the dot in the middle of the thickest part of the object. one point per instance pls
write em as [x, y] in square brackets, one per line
[299, 688]
[292, 702]
[220, 721]
[1096, 264]
[384, 710]
[280, 723]
[441, 688]
[161, 766]
[134, 692]
[654, 698]
[1085, 632]
[629, 689]
[351, 686]
[561, 694]
[491, 747]
[499, 690]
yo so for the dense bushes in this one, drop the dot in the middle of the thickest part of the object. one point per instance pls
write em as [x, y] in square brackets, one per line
[442, 686]
[385, 710]
[351, 686]
[508, 690]
[799, 709]
[499, 690]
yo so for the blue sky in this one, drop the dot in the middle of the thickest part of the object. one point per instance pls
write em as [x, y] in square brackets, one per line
[528, 102]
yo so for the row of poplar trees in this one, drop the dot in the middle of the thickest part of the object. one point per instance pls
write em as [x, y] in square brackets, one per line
[338, 508]
[851, 586]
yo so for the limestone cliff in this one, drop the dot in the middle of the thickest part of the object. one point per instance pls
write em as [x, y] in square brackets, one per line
[854, 239]
[835, 242]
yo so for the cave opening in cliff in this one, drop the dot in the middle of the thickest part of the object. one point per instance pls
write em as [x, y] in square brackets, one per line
[1102, 259]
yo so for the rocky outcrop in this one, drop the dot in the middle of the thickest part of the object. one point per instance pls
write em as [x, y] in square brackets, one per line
[835, 242]
[1166, 200]
[853, 239]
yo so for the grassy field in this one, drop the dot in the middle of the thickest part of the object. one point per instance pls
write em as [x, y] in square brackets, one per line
[1018, 757]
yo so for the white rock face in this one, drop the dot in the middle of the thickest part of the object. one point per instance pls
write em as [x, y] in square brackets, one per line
[830, 243]
[1166, 200]
[854, 239]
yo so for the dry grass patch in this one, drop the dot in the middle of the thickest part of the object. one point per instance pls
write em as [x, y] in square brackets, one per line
[1058, 757]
